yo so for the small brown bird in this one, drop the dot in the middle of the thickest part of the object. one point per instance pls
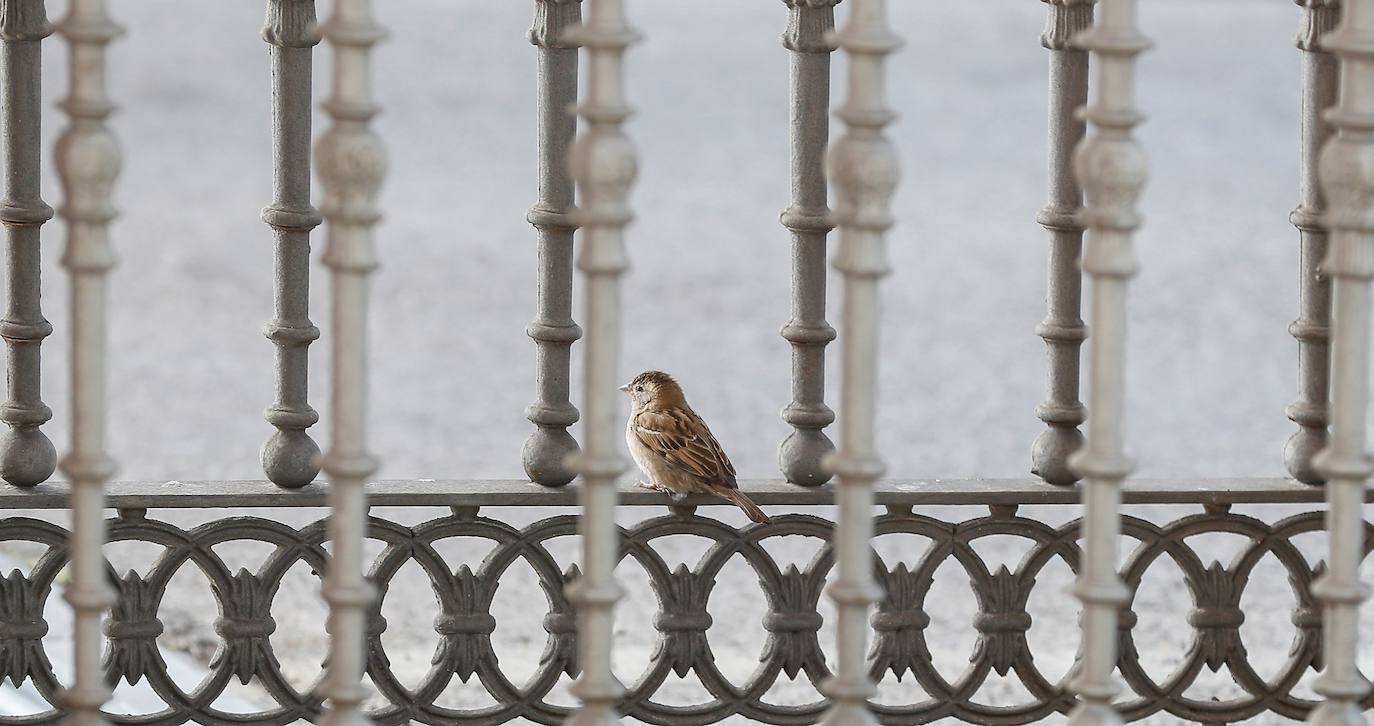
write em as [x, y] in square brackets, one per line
[675, 449]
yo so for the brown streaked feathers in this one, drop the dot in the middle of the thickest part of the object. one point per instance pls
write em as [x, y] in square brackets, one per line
[674, 446]
[681, 437]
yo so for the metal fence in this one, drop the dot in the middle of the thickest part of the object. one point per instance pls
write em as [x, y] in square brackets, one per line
[1096, 173]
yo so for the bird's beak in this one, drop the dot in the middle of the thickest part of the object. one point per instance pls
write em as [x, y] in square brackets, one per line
[625, 388]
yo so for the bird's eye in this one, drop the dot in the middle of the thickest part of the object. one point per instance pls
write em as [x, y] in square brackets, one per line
[639, 388]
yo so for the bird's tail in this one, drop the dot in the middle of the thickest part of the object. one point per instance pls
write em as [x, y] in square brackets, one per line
[751, 509]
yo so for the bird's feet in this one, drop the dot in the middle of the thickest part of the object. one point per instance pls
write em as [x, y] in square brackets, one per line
[675, 496]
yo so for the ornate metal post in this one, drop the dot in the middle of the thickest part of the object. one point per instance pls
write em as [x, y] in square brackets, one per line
[1112, 169]
[604, 164]
[352, 163]
[27, 457]
[1343, 170]
[88, 160]
[548, 448]
[1063, 328]
[1312, 326]
[864, 167]
[290, 456]
[808, 219]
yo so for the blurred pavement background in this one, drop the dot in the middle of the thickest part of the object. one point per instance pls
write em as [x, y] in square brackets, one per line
[1211, 365]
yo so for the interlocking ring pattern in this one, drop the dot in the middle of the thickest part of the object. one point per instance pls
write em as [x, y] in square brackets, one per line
[792, 649]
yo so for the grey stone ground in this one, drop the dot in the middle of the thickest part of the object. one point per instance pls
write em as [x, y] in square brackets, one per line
[1211, 363]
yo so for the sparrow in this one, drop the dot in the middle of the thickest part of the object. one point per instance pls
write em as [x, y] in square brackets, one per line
[674, 447]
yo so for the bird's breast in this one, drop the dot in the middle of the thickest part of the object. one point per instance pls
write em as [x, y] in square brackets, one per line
[656, 468]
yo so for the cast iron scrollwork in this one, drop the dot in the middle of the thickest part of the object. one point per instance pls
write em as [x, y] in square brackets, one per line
[465, 622]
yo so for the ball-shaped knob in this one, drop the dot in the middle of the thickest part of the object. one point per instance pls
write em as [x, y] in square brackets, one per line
[27, 457]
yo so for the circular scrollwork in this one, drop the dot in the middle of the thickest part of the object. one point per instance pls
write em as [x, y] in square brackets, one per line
[792, 649]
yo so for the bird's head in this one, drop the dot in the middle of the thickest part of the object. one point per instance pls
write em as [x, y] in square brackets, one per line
[654, 389]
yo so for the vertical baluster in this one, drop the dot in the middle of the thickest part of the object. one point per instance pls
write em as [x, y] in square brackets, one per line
[289, 457]
[88, 160]
[1314, 293]
[604, 164]
[1063, 328]
[863, 165]
[352, 163]
[548, 448]
[1343, 170]
[808, 219]
[27, 457]
[1111, 167]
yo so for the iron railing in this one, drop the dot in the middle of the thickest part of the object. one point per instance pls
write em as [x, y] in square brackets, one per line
[465, 619]
[1097, 171]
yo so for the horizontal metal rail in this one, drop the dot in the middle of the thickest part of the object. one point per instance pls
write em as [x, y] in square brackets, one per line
[517, 493]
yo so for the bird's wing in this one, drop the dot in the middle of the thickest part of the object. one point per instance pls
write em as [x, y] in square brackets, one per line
[685, 442]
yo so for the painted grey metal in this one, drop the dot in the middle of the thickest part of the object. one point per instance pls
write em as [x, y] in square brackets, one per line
[290, 457]
[87, 157]
[1312, 328]
[863, 165]
[1111, 167]
[802, 453]
[352, 163]
[780, 492]
[246, 600]
[1063, 329]
[1343, 171]
[27, 457]
[605, 166]
[550, 445]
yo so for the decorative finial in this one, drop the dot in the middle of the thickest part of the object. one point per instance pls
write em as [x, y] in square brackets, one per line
[291, 24]
[1319, 17]
[551, 19]
[809, 25]
[24, 20]
[1066, 19]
